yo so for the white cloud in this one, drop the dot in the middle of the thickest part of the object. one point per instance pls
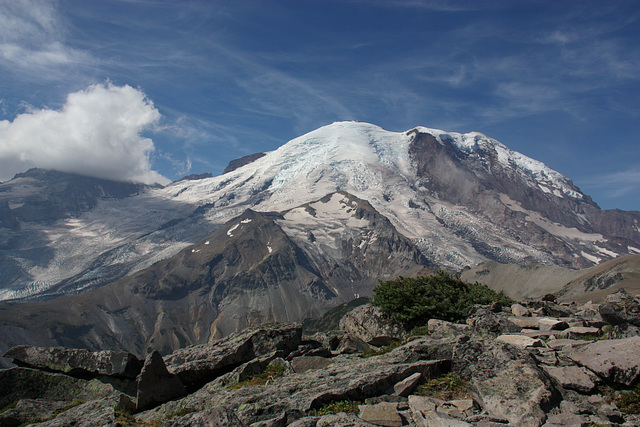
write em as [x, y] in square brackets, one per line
[97, 133]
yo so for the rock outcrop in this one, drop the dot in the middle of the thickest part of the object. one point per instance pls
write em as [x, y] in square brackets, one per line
[271, 376]
[372, 326]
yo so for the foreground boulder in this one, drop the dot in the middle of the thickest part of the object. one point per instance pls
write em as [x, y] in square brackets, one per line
[372, 326]
[505, 381]
[613, 360]
[196, 365]
[76, 361]
[156, 384]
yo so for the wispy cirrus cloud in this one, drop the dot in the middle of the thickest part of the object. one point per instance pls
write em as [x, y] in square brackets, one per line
[33, 39]
[615, 184]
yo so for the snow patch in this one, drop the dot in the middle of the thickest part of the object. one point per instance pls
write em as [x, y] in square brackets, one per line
[632, 249]
[246, 221]
[607, 252]
[206, 243]
[591, 258]
[232, 229]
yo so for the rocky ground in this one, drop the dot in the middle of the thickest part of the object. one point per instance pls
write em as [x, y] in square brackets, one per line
[528, 365]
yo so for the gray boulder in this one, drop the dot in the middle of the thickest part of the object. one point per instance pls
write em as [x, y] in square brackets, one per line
[483, 321]
[369, 324]
[155, 384]
[493, 368]
[76, 361]
[25, 383]
[613, 360]
[199, 364]
[26, 410]
[95, 413]
[348, 377]
[616, 313]
[219, 416]
[382, 414]
[304, 363]
[573, 377]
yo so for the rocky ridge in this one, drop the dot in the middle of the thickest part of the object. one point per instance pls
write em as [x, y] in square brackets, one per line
[533, 364]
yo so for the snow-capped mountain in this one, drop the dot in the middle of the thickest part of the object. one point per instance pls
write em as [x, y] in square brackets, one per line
[461, 198]
[281, 235]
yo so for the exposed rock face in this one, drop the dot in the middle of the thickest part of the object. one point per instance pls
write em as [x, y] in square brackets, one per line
[199, 364]
[509, 384]
[155, 384]
[531, 281]
[617, 313]
[246, 273]
[245, 160]
[76, 361]
[614, 360]
[372, 326]
[493, 368]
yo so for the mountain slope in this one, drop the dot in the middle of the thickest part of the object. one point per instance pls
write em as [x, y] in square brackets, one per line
[245, 273]
[531, 281]
[460, 198]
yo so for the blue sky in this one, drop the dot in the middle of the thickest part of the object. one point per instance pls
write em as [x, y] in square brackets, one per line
[153, 90]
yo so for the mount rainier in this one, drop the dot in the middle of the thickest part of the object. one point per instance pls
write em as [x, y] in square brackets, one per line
[280, 236]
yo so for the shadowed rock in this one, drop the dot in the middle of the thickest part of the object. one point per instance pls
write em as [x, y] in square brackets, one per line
[155, 384]
[76, 361]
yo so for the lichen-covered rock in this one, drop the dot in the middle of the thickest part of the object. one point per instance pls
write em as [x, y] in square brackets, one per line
[573, 377]
[613, 360]
[616, 313]
[483, 321]
[346, 378]
[505, 381]
[214, 417]
[95, 413]
[76, 361]
[26, 410]
[372, 326]
[25, 383]
[199, 364]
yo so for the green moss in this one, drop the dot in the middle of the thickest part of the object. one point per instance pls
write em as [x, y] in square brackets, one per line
[629, 401]
[386, 349]
[445, 387]
[348, 406]
[270, 373]
[9, 406]
[419, 331]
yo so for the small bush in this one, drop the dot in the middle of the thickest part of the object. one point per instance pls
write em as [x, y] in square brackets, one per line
[413, 301]
[348, 406]
[629, 401]
[445, 387]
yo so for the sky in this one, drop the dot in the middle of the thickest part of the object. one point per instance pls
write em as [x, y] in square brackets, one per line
[150, 90]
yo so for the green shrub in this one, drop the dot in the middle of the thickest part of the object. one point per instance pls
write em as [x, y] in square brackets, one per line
[629, 401]
[445, 387]
[413, 301]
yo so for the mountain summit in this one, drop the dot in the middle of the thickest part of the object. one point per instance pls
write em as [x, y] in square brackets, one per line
[285, 235]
